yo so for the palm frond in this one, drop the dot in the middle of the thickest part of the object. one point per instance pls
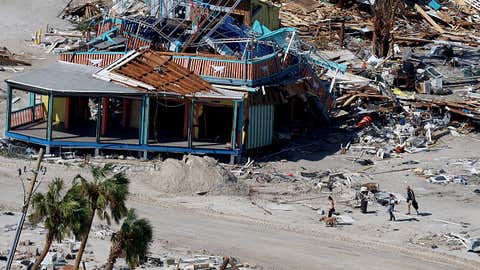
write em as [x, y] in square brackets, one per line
[59, 209]
[134, 238]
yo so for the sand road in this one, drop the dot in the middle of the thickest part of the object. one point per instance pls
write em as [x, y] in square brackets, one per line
[281, 249]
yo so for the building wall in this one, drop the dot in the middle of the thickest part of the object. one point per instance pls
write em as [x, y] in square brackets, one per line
[58, 108]
[260, 127]
[269, 15]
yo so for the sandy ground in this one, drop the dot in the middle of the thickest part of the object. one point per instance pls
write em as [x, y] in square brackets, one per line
[291, 237]
[19, 20]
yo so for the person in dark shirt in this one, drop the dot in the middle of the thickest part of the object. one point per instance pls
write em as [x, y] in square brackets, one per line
[331, 206]
[411, 200]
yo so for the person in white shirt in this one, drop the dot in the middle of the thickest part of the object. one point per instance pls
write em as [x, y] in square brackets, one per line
[391, 206]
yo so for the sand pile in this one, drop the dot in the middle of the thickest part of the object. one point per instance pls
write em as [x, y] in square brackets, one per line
[196, 174]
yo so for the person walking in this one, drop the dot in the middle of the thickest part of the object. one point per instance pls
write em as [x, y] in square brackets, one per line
[411, 200]
[331, 206]
[363, 196]
[391, 206]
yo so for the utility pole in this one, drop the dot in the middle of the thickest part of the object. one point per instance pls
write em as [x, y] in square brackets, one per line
[26, 204]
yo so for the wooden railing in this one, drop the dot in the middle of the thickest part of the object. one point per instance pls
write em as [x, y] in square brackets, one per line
[251, 72]
[27, 115]
[134, 42]
[98, 59]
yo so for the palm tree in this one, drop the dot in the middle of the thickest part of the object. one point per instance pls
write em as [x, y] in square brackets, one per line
[107, 190]
[61, 212]
[132, 240]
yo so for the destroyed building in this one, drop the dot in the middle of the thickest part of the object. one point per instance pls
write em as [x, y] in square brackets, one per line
[188, 77]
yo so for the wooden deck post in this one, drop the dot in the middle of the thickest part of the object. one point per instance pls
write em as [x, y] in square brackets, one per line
[32, 99]
[146, 119]
[49, 121]
[32, 105]
[99, 120]
[190, 124]
[9, 108]
[234, 124]
[146, 123]
[141, 129]
[104, 115]
[50, 116]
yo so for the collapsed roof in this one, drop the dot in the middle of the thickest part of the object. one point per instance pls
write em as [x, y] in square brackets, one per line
[155, 72]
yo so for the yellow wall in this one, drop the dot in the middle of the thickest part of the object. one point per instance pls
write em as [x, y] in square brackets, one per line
[58, 108]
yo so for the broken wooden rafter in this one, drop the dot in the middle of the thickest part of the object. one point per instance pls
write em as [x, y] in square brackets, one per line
[429, 19]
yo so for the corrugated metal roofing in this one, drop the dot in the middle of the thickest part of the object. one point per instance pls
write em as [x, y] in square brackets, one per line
[160, 71]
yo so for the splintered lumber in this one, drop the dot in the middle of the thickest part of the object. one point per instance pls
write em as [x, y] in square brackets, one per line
[460, 112]
[413, 39]
[473, 3]
[8, 59]
[429, 19]
[362, 95]
[65, 8]
[226, 261]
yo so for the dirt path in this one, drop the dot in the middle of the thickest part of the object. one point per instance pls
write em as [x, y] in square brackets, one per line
[281, 249]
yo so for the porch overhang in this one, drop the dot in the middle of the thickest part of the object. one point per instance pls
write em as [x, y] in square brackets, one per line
[67, 79]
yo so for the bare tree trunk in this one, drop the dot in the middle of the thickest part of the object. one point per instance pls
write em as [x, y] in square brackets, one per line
[83, 245]
[381, 43]
[114, 253]
[384, 20]
[39, 259]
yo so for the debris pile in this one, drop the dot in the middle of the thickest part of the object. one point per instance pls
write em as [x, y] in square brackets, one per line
[426, 87]
[196, 262]
[325, 25]
[450, 241]
[82, 12]
[10, 62]
[129, 8]
[407, 107]
[58, 41]
[467, 174]
[352, 26]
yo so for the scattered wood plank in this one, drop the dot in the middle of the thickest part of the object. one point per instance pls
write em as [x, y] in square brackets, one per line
[228, 261]
[429, 19]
